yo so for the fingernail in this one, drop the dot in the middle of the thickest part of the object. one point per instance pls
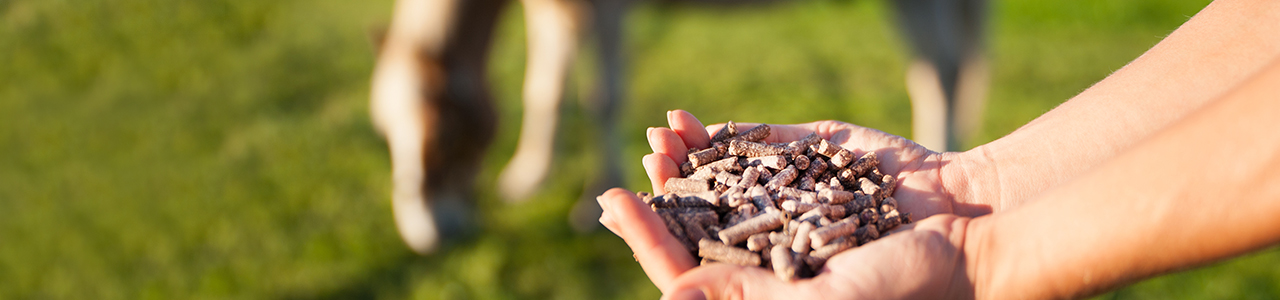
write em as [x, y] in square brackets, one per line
[649, 132]
[689, 294]
[605, 219]
[600, 200]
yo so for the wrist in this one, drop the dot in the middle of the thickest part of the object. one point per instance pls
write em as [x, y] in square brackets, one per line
[971, 179]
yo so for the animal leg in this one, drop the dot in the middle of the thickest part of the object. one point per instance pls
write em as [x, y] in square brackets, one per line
[552, 33]
[427, 90]
[608, 17]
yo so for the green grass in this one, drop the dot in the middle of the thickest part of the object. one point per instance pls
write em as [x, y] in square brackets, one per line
[222, 149]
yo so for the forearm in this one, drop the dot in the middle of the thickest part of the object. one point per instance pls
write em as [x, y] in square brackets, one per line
[1204, 189]
[1216, 50]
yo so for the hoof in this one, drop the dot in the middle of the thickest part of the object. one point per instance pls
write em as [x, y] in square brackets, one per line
[424, 224]
[416, 223]
[522, 177]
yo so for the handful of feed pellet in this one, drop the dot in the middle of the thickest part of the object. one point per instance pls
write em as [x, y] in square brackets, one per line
[788, 206]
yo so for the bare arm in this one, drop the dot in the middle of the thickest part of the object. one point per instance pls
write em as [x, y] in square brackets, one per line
[1213, 52]
[1204, 189]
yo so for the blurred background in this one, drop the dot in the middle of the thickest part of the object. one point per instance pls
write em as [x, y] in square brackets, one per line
[155, 149]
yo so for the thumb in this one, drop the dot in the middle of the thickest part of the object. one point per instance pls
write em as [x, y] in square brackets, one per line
[725, 281]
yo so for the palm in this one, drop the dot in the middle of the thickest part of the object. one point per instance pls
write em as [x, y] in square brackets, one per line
[920, 193]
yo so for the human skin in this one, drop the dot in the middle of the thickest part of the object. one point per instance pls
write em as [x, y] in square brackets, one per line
[1096, 182]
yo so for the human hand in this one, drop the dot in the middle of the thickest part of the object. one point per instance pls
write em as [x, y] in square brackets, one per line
[919, 260]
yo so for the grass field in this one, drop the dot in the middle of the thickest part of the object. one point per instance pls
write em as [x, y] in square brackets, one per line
[155, 149]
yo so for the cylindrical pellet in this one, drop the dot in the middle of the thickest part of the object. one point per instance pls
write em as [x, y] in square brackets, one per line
[865, 163]
[704, 156]
[831, 249]
[784, 177]
[758, 242]
[685, 185]
[841, 158]
[784, 265]
[754, 134]
[835, 197]
[801, 162]
[724, 253]
[729, 130]
[801, 244]
[753, 149]
[825, 234]
[889, 220]
[741, 231]
[776, 162]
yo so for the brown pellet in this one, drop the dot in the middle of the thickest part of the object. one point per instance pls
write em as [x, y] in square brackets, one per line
[728, 179]
[801, 162]
[783, 178]
[888, 184]
[860, 202]
[724, 253]
[729, 130]
[755, 134]
[776, 162]
[801, 244]
[817, 167]
[758, 242]
[761, 223]
[836, 246]
[797, 207]
[784, 265]
[704, 156]
[838, 229]
[869, 216]
[869, 188]
[750, 176]
[865, 163]
[685, 185]
[889, 220]
[753, 149]
[841, 158]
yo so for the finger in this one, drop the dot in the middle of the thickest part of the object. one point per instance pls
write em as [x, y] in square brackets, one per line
[689, 128]
[608, 222]
[666, 142]
[660, 168]
[725, 281]
[660, 255]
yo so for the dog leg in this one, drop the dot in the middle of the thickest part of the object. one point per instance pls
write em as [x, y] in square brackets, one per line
[552, 34]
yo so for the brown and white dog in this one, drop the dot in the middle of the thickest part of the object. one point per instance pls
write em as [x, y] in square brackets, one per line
[430, 96]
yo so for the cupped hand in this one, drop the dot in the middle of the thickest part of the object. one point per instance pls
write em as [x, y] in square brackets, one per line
[916, 258]
[922, 260]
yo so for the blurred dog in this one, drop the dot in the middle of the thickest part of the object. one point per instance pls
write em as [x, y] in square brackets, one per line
[430, 96]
